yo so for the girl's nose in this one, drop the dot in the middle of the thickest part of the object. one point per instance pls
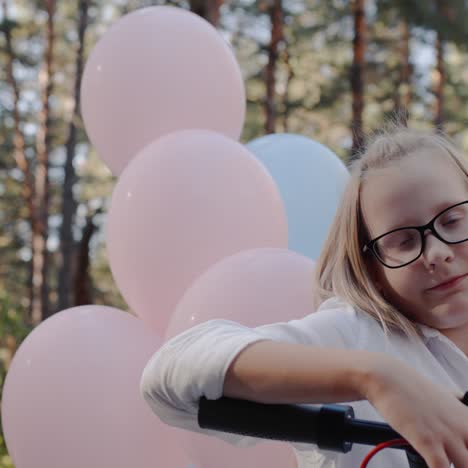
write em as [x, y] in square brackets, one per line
[436, 251]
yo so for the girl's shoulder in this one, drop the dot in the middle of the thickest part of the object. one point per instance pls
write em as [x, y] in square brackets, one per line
[334, 303]
[366, 330]
[341, 310]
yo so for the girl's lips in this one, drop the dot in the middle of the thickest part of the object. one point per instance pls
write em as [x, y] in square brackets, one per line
[449, 284]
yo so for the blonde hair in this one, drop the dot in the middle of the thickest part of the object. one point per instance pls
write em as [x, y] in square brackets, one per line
[341, 270]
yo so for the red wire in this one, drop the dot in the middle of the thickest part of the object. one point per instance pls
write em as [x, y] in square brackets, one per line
[380, 447]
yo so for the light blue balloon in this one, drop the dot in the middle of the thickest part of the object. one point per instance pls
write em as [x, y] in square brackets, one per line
[311, 180]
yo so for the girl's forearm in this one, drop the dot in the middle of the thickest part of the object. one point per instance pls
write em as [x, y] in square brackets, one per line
[276, 372]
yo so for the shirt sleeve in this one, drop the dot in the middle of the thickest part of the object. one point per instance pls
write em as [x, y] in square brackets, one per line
[194, 363]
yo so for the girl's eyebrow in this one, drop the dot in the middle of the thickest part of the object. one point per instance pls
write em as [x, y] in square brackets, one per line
[413, 221]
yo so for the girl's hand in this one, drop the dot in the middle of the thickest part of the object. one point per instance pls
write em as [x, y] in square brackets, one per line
[431, 418]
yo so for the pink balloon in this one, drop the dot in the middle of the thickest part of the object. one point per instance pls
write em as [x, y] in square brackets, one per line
[158, 70]
[254, 287]
[209, 452]
[71, 396]
[185, 202]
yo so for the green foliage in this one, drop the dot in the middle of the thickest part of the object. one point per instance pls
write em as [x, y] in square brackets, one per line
[5, 459]
[14, 331]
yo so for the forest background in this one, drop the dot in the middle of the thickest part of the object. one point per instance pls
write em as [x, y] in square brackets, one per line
[332, 70]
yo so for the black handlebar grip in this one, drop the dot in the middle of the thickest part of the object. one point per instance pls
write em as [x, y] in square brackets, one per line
[266, 421]
[323, 426]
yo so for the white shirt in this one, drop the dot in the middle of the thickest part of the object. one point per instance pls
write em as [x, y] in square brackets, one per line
[194, 364]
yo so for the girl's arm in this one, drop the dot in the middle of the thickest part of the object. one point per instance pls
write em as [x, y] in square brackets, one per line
[275, 372]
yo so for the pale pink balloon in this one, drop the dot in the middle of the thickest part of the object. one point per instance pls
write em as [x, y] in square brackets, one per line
[185, 202]
[253, 287]
[210, 452]
[157, 70]
[71, 396]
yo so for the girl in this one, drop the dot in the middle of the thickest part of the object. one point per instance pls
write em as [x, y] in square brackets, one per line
[390, 337]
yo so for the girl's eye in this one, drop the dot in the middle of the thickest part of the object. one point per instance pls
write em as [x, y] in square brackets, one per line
[407, 242]
[451, 222]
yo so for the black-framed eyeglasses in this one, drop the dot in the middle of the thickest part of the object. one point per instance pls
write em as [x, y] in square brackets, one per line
[402, 246]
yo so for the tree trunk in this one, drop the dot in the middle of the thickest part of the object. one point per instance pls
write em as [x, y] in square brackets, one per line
[449, 13]
[208, 9]
[357, 75]
[286, 106]
[83, 284]
[18, 139]
[439, 75]
[39, 303]
[403, 94]
[439, 81]
[69, 205]
[275, 11]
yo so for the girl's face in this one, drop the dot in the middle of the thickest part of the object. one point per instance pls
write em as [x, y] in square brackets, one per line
[411, 193]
